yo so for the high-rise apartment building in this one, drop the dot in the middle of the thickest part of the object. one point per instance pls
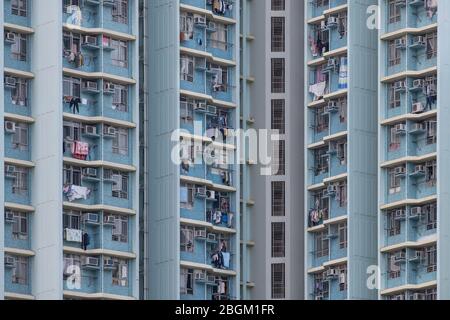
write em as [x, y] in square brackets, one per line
[70, 149]
[341, 154]
[413, 226]
[272, 74]
[193, 216]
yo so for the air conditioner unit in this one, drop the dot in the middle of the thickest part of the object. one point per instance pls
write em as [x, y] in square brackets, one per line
[399, 171]
[10, 126]
[419, 41]
[419, 169]
[400, 214]
[10, 171]
[418, 127]
[200, 192]
[399, 297]
[332, 273]
[333, 22]
[10, 37]
[108, 263]
[400, 128]
[10, 82]
[200, 106]
[211, 279]
[211, 109]
[9, 261]
[90, 40]
[418, 107]
[332, 106]
[200, 234]
[419, 83]
[110, 220]
[331, 190]
[200, 276]
[90, 262]
[211, 237]
[109, 87]
[90, 129]
[416, 212]
[110, 131]
[211, 25]
[91, 218]
[400, 43]
[199, 20]
[418, 296]
[90, 172]
[419, 255]
[210, 194]
[400, 85]
[9, 216]
[91, 85]
[400, 256]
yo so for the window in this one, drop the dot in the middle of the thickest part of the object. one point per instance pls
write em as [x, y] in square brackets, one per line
[278, 240]
[120, 228]
[19, 47]
[72, 131]
[187, 25]
[343, 283]
[187, 68]
[72, 87]
[321, 286]
[71, 43]
[395, 54]
[394, 269]
[20, 226]
[322, 120]
[219, 78]
[186, 111]
[278, 75]
[187, 239]
[430, 173]
[431, 259]
[394, 97]
[278, 34]
[72, 220]
[120, 184]
[20, 136]
[278, 281]
[394, 11]
[394, 137]
[431, 45]
[278, 199]
[394, 182]
[431, 132]
[431, 216]
[119, 56]
[120, 141]
[120, 98]
[279, 158]
[219, 39]
[341, 195]
[19, 94]
[120, 11]
[278, 5]
[393, 224]
[322, 244]
[342, 232]
[321, 161]
[342, 24]
[187, 196]
[20, 271]
[120, 273]
[342, 103]
[20, 180]
[278, 115]
[341, 147]
[186, 281]
[19, 8]
[72, 175]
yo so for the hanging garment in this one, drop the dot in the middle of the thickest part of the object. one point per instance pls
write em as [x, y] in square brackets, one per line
[76, 15]
[226, 259]
[73, 235]
[431, 7]
[76, 192]
[222, 288]
[230, 220]
[86, 241]
[218, 219]
[318, 90]
[343, 73]
[80, 150]
[341, 28]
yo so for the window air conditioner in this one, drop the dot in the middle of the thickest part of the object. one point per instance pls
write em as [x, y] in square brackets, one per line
[201, 192]
[90, 40]
[332, 273]
[108, 263]
[200, 276]
[9, 261]
[9, 216]
[418, 127]
[10, 82]
[331, 189]
[400, 85]
[400, 43]
[200, 234]
[212, 25]
[419, 41]
[400, 171]
[333, 22]
[10, 126]
[10, 170]
[10, 37]
[90, 129]
[400, 256]
[400, 128]
[90, 172]
[211, 109]
[418, 83]
[200, 106]
[418, 107]
[419, 169]
[90, 262]
[416, 212]
[109, 87]
[110, 131]
[211, 195]
[91, 218]
[200, 21]
[91, 85]
[332, 106]
[110, 220]
[400, 214]
[211, 237]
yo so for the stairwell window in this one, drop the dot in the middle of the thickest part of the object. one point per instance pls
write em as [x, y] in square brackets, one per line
[120, 273]
[19, 94]
[120, 98]
[279, 5]
[119, 56]
[19, 8]
[278, 75]
[394, 11]
[278, 199]
[278, 115]
[186, 281]
[278, 34]
[278, 240]
[20, 137]
[120, 11]
[120, 142]
[20, 270]
[187, 68]
[187, 239]
[19, 47]
[278, 281]
[279, 158]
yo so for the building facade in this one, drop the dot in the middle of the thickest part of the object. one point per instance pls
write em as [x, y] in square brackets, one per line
[340, 157]
[412, 226]
[193, 217]
[70, 227]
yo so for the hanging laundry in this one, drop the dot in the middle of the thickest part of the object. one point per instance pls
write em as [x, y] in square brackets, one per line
[73, 235]
[226, 259]
[343, 73]
[318, 90]
[80, 150]
[73, 192]
[75, 16]
[431, 7]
